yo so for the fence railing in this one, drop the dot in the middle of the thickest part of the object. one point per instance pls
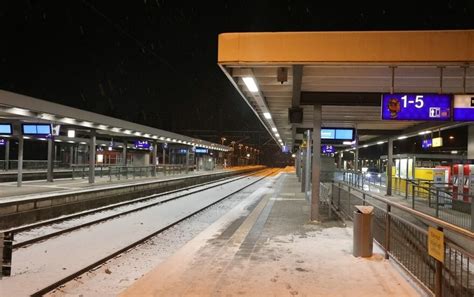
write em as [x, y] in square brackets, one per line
[31, 164]
[403, 233]
[119, 172]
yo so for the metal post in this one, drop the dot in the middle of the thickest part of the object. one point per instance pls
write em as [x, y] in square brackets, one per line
[413, 196]
[71, 155]
[92, 141]
[153, 159]
[164, 156]
[439, 275]
[303, 172]
[298, 162]
[316, 178]
[187, 161]
[389, 167]
[49, 174]
[20, 161]
[437, 202]
[124, 153]
[308, 164]
[7, 154]
[387, 231]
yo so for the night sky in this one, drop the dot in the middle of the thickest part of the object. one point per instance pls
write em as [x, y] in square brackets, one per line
[154, 61]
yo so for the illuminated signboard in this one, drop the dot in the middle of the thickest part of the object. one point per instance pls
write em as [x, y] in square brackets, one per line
[416, 107]
[327, 149]
[426, 143]
[201, 150]
[6, 129]
[337, 134]
[463, 108]
[36, 129]
[141, 144]
[2, 142]
[437, 142]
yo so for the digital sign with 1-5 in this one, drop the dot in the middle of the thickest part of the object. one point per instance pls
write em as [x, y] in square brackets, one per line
[416, 107]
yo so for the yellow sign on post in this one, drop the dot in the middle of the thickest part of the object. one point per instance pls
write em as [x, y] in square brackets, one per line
[436, 244]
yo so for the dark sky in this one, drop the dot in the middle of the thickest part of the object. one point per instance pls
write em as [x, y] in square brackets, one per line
[154, 61]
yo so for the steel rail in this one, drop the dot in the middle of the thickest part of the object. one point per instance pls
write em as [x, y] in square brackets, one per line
[83, 270]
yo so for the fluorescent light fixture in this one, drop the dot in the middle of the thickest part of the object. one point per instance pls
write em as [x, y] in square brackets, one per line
[454, 152]
[366, 145]
[103, 127]
[424, 132]
[248, 155]
[267, 115]
[71, 133]
[43, 139]
[274, 129]
[162, 138]
[347, 142]
[68, 120]
[402, 137]
[277, 135]
[58, 140]
[87, 124]
[26, 137]
[250, 83]
[138, 133]
[70, 141]
[127, 132]
[380, 142]
[173, 140]
[115, 129]
[168, 139]
[147, 135]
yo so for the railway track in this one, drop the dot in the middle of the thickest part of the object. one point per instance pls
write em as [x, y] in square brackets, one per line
[199, 188]
[130, 245]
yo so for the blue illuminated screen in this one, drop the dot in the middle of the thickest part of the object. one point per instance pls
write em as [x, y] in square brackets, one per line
[5, 129]
[416, 107]
[36, 129]
[201, 151]
[327, 149]
[426, 143]
[328, 134]
[344, 134]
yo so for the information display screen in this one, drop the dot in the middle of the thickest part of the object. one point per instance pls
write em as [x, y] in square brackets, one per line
[141, 144]
[6, 129]
[426, 143]
[416, 107]
[328, 149]
[200, 150]
[36, 129]
[337, 134]
[463, 108]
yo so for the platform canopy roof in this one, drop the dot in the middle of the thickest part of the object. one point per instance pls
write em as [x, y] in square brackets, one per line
[16, 108]
[345, 72]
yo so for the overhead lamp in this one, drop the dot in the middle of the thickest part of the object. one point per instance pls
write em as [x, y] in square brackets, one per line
[380, 142]
[168, 139]
[248, 155]
[43, 139]
[274, 129]
[87, 124]
[347, 142]
[173, 140]
[250, 83]
[58, 140]
[267, 115]
[454, 152]
[365, 145]
[127, 132]
[424, 132]
[162, 138]
[277, 135]
[402, 137]
[71, 133]
[70, 141]
[138, 133]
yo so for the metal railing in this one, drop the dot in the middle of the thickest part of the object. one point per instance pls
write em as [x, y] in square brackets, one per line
[403, 233]
[31, 164]
[118, 172]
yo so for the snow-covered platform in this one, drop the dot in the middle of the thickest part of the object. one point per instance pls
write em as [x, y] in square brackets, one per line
[267, 247]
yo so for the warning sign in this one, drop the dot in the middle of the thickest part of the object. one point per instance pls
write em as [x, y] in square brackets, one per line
[436, 244]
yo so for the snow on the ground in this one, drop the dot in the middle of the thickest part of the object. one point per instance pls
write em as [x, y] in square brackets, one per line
[41, 264]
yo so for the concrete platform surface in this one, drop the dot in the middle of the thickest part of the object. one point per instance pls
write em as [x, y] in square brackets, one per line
[271, 249]
[31, 189]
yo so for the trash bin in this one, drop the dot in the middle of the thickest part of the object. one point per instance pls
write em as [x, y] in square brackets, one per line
[363, 239]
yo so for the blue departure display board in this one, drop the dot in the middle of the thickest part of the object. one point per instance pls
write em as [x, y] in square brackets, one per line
[141, 144]
[337, 134]
[426, 143]
[416, 107]
[328, 149]
[463, 108]
[36, 129]
[6, 129]
[199, 150]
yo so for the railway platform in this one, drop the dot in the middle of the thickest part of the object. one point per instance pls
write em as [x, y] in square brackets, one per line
[269, 248]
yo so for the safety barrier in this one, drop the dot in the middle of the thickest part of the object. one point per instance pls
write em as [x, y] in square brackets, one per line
[403, 234]
[119, 172]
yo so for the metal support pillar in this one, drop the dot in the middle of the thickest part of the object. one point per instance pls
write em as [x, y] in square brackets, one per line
[92, 149]
[389, 167]
[71, 155]
[7, 154]
[316, 176]
[20, 161]
[164, 155]
[153, 158]
[303, 171]
[298, 164]
[356, 159]
[124, 153]
[187, 161]
[308, 164]
[339, 160]
[49, 174]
